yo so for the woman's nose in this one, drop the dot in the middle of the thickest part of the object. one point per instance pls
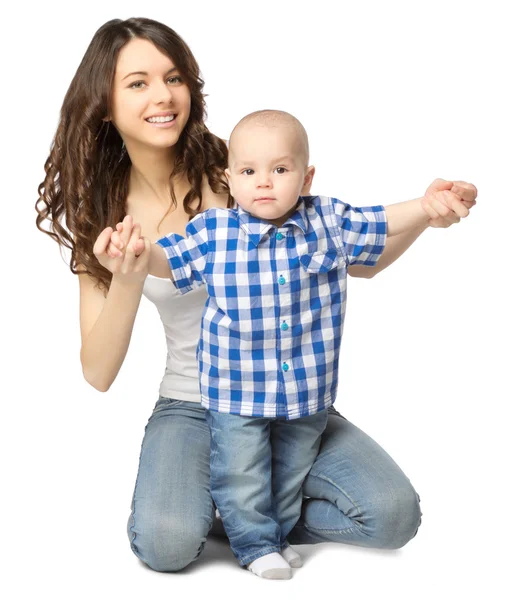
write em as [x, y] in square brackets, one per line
[161, 93]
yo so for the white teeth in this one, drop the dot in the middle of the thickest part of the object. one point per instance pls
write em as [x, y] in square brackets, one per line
[161, 119]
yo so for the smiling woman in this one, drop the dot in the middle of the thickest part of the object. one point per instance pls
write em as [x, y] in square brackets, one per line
[105, 124]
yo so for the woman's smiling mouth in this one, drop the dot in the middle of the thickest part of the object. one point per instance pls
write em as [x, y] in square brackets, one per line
[167, 120]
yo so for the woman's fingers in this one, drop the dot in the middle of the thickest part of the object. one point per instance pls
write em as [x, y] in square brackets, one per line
[120, 257]
[102, 241]
[144, 254]
[455, 204]
[127, 228]
[130, 255]
[116, 239]
[445, 203]
[112, 251]
[427, 203]
[439, 207]
[466, 191]
[139, 247]
[438, 185]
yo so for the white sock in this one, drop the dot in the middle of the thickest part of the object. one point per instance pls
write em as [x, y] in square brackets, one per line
[271, 566]
[292, 557]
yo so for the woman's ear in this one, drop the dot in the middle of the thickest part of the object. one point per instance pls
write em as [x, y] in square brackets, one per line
[307, 182]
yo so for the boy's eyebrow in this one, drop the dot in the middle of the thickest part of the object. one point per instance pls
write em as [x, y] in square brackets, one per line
[239, 163]
[144, 73]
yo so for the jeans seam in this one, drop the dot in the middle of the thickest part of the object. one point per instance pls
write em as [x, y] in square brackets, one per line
[330, 531]
[344, 493]
[263, 552]
[133, 504]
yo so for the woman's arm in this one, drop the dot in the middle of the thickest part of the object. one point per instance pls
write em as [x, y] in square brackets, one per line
[106, 325]
[106, 321]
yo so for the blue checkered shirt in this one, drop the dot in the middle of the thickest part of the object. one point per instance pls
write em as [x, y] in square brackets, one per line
[272, 325]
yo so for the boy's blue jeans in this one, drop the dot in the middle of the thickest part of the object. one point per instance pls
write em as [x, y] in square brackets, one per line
[257, 467]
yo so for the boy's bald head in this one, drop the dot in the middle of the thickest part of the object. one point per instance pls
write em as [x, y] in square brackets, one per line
[275, 119]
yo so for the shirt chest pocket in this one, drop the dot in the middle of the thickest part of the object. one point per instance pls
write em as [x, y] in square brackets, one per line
[320, 262]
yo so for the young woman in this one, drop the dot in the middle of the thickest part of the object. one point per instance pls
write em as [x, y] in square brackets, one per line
[132, 140]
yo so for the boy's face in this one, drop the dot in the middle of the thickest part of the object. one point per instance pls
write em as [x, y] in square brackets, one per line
[267, 171]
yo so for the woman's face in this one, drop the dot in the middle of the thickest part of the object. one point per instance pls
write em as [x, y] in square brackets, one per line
[147, 84]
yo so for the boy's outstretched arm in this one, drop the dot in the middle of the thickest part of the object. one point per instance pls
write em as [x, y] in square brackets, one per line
[437, 203]
[455, 198]
[405, 216]
[395, 247]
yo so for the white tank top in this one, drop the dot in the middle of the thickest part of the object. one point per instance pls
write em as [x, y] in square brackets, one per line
[181, 317]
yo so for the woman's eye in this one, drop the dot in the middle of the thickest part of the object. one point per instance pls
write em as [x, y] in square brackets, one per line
[175, 79]
[280, 170]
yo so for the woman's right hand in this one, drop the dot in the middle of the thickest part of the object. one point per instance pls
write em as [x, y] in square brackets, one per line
[123, 252]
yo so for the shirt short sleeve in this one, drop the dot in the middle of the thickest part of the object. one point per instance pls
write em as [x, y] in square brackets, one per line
[187, 256]
[363, 231]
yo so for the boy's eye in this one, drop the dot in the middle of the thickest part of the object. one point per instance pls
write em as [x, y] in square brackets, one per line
[281, 170]
[248, 171]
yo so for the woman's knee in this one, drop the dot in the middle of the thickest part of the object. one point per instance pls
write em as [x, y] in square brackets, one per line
[396, 517]
[168, 546]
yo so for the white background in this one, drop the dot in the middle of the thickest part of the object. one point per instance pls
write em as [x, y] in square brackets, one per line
[436, 356]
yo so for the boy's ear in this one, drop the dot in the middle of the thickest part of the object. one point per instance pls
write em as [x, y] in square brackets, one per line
[307, 182]
[228, 176]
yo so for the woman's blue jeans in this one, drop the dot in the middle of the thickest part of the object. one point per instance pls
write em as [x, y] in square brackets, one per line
[354, 494]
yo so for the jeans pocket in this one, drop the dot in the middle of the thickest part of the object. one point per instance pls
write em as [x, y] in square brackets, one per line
[165, 402]
[332, 411]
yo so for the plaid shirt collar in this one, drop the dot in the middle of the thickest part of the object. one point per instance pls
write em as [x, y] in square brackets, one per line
[256, 228]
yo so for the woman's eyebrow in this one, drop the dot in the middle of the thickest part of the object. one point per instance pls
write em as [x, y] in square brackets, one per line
[144, 73]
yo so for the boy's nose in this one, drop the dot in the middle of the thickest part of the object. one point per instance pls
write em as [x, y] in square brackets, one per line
[264, 180]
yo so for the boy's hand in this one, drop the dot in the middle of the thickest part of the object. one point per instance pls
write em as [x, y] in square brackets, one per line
[446, 202]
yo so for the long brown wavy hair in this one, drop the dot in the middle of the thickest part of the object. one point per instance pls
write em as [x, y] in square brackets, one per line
[87, 173]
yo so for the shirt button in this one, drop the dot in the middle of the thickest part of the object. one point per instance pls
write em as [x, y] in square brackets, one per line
[281, 280]
[279, 236]
[285, 367]
[284, 326]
